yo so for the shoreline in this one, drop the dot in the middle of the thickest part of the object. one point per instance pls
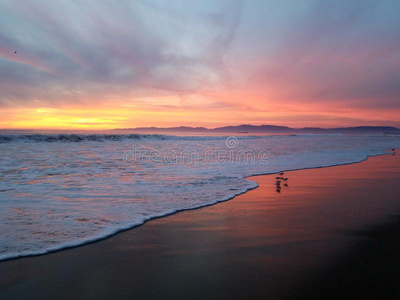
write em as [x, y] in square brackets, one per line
[283, 245]
[130, 227]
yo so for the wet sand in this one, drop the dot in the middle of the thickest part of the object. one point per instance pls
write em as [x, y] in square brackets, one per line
[332, 233]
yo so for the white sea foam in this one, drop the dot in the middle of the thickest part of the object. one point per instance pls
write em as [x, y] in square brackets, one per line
[59, 191]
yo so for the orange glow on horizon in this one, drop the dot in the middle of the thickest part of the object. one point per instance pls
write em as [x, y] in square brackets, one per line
[107, 117]
[236, 106]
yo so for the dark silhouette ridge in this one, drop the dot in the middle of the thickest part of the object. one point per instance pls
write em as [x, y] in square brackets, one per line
[246, 128]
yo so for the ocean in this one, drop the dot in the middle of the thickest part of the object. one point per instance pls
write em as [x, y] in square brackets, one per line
[59, 190]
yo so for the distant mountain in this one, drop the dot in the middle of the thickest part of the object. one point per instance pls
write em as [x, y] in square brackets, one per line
[254, 129]
[245, 128]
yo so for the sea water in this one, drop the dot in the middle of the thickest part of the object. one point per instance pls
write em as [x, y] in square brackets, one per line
[64, 190]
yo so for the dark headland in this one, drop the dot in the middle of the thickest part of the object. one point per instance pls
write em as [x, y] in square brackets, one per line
[271, 129]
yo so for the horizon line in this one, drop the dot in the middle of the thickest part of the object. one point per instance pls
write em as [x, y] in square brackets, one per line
[200, 127]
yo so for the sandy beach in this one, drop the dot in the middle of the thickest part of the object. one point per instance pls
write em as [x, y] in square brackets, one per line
[331, 233]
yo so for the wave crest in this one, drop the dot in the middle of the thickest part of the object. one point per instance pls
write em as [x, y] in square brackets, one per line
[73, 138]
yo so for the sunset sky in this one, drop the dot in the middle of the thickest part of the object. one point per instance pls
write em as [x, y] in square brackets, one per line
[105, 64]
